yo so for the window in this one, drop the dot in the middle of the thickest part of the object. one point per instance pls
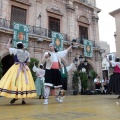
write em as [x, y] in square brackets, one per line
[18, 15]
[83, 32]
[54, 24]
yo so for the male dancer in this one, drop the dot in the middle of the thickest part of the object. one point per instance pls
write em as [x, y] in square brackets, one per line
[52, 72]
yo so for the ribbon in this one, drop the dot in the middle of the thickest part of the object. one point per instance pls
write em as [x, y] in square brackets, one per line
[23, 68]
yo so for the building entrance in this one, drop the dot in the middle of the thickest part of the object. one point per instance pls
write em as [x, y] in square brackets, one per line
[7, 62]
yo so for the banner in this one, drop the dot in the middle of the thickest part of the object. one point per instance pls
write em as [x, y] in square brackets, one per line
[57, 39]
[88, 48]
[21, 34]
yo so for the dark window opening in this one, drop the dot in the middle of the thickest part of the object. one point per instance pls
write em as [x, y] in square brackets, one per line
[18, 15]
[54, 25]
[83, 32]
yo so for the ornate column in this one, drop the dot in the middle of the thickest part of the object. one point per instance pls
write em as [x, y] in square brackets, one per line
[70, 19]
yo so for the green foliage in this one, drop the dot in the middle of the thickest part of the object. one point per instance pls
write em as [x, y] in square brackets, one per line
[93, 74]
[75, 80]
[32, 61]
[84, 80]
[1, 69]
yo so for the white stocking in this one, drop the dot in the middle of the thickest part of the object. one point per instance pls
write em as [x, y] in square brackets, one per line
[57, 92]
[47, 92]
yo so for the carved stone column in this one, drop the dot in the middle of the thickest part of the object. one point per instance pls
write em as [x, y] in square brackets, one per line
[70, 19]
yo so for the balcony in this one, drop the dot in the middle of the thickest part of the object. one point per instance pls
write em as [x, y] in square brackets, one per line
[85, 2]
[7, 25]
[81, 41]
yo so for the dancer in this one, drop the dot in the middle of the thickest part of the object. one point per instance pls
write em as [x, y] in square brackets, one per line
[52, 73]
[39, 82]
[64, 75]
[18, 81]
[114, 83]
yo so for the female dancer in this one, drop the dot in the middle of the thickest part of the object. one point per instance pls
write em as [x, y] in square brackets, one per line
[18, 81]
[114, 84]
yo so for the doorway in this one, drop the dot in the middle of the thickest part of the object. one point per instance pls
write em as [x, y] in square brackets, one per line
[7, 62]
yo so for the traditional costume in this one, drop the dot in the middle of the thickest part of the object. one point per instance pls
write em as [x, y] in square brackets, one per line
[18, 81]
[64, 75]
[52, 72]
[97, 85]
[39, 82]
[114, 83]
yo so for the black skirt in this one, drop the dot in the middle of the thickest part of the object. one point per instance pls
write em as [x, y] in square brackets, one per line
[53, 78]
[64, 83]
[114, 84]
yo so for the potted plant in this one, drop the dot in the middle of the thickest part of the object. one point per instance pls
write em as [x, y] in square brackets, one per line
[84, 82]
[75, 81]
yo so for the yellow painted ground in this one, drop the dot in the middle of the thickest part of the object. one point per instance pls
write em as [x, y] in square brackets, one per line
[81, 107]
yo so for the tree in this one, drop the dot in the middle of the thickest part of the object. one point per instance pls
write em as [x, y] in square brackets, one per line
[75, 80]
[93, 74]
[84, 80]
[32, 61]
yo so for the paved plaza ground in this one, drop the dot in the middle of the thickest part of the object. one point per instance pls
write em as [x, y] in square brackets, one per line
[80, 107]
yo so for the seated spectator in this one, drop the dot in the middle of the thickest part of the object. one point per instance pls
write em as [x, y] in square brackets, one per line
[97, 84]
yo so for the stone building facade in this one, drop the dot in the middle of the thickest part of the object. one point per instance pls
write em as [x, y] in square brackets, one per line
[116, 15]
[75, 19]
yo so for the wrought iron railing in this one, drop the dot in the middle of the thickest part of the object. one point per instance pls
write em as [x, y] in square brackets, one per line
[86, 2]
[81, 41]
[7, 24]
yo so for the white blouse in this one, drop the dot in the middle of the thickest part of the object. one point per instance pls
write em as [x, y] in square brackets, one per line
[14, 52]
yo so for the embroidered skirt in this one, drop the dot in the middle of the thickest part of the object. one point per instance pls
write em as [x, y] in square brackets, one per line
[114, 84]
[53, 78]
[12, 86]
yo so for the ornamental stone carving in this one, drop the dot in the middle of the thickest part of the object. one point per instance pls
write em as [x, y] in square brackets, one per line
[54, 9]
[83, 19]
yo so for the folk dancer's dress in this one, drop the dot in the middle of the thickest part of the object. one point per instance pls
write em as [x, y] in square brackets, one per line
[114, 83]
[39, 82]
[18, 81]
[64, 75]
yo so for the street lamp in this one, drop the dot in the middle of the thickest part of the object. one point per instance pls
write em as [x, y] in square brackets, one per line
[81, 62]
[75, 61]
[80, 67]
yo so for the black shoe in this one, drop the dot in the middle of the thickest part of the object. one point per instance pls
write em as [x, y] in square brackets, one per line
[13, 100]
[40, 97]
[23, 102]
[43, 97]
[118, 97]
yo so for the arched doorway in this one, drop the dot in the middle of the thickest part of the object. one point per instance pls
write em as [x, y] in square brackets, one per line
[7, 62]
[88, 68]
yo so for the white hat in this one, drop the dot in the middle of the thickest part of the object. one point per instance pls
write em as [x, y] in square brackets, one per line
[51, 44]
[19, 42]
